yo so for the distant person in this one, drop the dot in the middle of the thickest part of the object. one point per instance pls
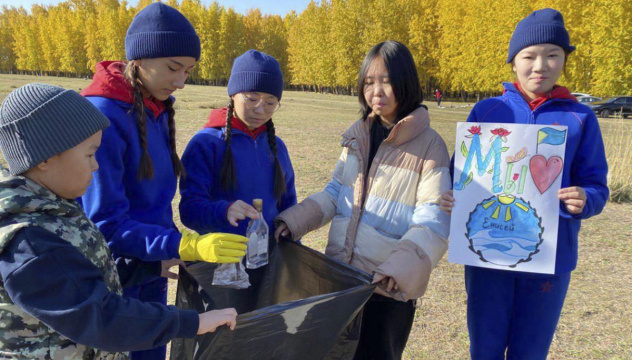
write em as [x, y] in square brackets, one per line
[438, 96]
[131, 194]
[383, 199]
[237, 157]
[514, 314]
[60, 293]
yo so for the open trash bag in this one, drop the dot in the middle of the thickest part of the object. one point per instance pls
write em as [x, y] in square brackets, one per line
[307, 306]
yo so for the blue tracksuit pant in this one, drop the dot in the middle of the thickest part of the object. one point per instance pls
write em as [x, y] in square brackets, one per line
[512, 315]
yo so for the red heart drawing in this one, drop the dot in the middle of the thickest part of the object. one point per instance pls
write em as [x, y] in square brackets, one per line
[544, 172]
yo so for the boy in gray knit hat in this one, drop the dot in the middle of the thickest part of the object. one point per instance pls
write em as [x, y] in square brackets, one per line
[60, 292]
[39, 121]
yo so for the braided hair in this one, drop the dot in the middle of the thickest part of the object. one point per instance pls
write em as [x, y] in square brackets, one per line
[279, 178]
[178, 167]
[228, 173]
[146, 166]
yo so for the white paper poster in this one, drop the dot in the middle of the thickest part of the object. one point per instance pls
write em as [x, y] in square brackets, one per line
[506, 178]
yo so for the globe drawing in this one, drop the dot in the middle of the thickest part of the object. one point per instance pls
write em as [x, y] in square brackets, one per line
[504, 230]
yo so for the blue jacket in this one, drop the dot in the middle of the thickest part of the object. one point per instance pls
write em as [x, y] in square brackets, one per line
[585, 159]
[204, 204]
[51, 279]
[135, 216]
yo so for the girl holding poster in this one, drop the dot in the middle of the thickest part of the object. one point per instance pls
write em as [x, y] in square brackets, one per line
[513, 314]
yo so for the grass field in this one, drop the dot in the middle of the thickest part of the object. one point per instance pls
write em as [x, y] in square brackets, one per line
[596, 322]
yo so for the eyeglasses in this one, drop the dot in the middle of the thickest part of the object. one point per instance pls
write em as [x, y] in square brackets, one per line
[252, 102]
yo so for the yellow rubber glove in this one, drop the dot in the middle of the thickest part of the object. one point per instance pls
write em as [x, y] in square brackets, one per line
[213, 247]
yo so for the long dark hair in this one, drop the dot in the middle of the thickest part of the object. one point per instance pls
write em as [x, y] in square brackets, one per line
[402, 73]
[146, 166]
[228, 172]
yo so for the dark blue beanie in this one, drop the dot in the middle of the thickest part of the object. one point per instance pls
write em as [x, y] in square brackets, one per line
[161, 31]
[257, 72]
[544, 26]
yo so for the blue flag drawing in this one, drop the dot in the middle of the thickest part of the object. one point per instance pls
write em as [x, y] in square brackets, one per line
[551, 136]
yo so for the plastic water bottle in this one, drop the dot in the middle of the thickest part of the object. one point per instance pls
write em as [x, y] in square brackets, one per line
[257, 234]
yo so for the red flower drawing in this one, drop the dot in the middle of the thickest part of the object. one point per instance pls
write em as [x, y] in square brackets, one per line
[501, 132]
[516, 176]
[475, 130]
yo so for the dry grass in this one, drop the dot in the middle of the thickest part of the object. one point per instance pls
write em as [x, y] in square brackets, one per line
[619, 154]
[596, 322]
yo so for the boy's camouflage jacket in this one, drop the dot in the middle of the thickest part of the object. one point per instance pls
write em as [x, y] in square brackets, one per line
[24, 203]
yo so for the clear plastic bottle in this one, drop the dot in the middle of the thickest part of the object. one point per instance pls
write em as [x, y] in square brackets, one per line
[257, 234]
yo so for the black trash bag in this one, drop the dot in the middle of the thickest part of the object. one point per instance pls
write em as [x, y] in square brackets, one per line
[307, 306]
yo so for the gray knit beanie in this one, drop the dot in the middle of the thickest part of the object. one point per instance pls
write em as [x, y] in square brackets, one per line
[39, 121]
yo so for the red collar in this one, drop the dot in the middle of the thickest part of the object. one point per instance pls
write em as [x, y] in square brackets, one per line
[110, 82]
[217, 119]
[558, 92]
[239, 125]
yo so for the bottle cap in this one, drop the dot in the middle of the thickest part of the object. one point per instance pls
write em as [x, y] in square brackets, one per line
[258, 204]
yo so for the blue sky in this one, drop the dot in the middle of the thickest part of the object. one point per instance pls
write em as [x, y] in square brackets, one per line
[279, 7]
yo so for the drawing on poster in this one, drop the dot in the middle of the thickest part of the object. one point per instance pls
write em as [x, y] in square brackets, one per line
[544, 171]
[506, 227]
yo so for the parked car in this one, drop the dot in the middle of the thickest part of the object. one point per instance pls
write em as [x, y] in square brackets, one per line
[613, 105]
[588, 99]
[578, 95]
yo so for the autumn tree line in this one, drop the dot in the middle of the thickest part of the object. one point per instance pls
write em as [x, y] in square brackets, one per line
[459, 46]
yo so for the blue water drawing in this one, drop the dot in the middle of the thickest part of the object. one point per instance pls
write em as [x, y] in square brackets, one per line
[504, 230]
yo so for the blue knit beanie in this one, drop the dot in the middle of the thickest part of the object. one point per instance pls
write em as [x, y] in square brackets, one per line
[39, 121]
[544, 26]
[257, 72]
[161, 31]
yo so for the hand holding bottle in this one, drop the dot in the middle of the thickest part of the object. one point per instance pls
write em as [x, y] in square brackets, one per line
[258, 235]
[239, 210]
[212, 247]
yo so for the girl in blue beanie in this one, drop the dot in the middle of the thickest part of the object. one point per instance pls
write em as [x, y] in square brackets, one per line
[237, 157]
[130, 195]
[510, 314]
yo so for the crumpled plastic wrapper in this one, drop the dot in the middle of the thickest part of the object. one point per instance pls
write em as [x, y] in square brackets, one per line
[232, 276]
